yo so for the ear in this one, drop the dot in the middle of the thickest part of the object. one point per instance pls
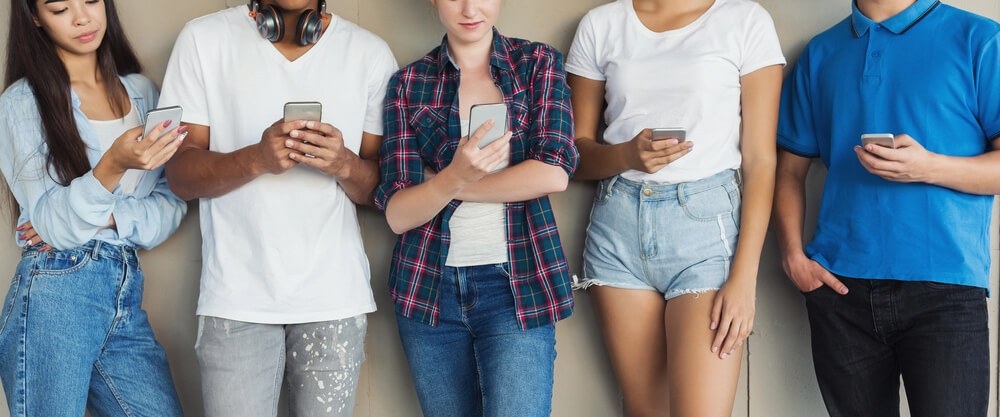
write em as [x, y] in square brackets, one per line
[38, 23]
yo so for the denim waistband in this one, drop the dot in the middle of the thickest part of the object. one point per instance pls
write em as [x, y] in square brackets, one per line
[96, 248]
[654, 192]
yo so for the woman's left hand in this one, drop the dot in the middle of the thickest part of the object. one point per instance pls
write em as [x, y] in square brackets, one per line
[30, 236]
[732, 315]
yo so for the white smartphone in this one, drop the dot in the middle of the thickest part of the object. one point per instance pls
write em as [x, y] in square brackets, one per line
[156, 117]
[303, 110]
[481, 113]
[665, 133]
[885, 140]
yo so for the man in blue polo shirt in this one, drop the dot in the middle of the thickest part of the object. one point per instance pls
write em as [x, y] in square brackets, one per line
[896, 274]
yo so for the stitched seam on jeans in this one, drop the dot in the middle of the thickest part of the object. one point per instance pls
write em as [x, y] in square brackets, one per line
[114, 390]
[279, 371]
[10, 308]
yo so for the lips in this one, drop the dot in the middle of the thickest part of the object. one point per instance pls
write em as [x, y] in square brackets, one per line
[87, 37]
[470, 25]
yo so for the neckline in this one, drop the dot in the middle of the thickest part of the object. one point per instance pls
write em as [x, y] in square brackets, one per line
[113, 121]
[634, 17]
[266, 44]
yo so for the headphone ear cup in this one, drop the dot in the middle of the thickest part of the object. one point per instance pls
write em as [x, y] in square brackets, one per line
[270, 25]
[309, 28]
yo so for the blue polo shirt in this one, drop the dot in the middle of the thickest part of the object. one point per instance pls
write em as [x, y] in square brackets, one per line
[932, 72]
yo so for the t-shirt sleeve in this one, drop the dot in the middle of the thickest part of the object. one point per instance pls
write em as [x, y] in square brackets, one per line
[988, 81]
[378, 80]
[796, 128]
[184, 82]
[761, 47]
[582, 58]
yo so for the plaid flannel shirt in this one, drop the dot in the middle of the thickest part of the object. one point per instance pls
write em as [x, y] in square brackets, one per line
[423, 128]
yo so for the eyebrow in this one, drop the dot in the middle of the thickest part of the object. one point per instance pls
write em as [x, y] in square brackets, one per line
[52, 1]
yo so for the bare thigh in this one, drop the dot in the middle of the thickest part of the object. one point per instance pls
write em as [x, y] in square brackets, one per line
[632, 323]
[701, 384]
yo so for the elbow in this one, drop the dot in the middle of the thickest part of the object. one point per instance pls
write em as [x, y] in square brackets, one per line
[396, 226]
[557, 182]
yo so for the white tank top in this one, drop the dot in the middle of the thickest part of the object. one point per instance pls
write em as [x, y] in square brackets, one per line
[478, 230]
[107, 132]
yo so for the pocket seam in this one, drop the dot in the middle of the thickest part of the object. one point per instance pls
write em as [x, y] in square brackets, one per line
[55, 272]
[16, 285]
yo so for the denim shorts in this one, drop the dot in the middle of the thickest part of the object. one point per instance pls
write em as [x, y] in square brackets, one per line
[675, 239]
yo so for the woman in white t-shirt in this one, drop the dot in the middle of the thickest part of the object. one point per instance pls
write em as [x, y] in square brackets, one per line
[671, 273]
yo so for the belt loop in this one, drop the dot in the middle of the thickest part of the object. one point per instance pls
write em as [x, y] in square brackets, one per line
[739, 177]
[97, 248]
[609, 186]
[681, 198]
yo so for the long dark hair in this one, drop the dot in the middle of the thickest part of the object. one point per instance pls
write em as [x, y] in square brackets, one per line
[32, 55]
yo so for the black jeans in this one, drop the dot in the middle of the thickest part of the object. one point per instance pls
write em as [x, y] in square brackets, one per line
[935, 335]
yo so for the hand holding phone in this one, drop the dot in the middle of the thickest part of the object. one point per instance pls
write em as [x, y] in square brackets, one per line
[885, 140]
[157, 117]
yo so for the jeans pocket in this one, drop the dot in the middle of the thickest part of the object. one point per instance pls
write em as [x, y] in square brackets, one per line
[63, 262]
[604, 189]
[708, 204]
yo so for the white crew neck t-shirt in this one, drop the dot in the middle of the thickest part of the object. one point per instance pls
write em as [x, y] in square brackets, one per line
[108, 131]
[282, 248]
[688, 77]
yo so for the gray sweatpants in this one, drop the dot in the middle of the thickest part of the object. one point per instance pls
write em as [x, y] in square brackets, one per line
[243, 365]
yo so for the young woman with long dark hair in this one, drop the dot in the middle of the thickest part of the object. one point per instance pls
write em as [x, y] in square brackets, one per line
[88, 190]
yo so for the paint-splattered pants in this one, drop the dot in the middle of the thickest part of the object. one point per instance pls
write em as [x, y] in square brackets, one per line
[243, 366]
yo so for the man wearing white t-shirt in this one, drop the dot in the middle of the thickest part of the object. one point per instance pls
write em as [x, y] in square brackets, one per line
[285, 279]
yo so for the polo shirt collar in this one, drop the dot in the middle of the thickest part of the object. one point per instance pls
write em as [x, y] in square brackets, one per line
[499, 57]
[897, 24]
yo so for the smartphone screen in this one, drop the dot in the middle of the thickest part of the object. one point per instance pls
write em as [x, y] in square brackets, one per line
[156, 117]
[480, 114]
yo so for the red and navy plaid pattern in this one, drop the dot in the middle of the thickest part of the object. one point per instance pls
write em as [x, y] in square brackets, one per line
[422, 128]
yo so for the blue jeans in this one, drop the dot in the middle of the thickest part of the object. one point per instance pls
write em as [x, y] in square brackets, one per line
[935, 335]
[477, 361]
[73, 337]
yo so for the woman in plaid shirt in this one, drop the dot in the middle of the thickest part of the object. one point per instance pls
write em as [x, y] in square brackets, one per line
[478, 274]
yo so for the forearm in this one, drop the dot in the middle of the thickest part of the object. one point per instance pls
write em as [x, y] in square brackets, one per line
[360, 180]
[598, 161]
[525, 181]
[414, 206]
[974, 175]
[755, 214]
[789, 212]
[199, 173]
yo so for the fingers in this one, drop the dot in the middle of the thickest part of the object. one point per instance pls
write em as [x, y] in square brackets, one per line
[904, 141]
[716, 315]
[325, 128]
[154, 134]
[166, 140]
[874, 163]
[167, 151]
[25, 226]
[831, 281]
[721, 333]
[883, 152]
[28, 235]
[735, 331]
[478, 135]
[283, 129]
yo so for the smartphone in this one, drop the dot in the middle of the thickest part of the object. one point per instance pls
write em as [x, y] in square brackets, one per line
[885, 140]
[156, 117]
[665, 133]
[481, 113]
[303, 110]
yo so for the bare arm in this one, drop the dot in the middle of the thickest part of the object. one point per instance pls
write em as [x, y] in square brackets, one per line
[734, 308]
[911, 162]
[599, 161]
[196, 172]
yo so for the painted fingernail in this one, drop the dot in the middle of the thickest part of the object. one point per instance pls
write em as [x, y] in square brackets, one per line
[181, 137]
[20, 228]
[167, 123]
[182, 129]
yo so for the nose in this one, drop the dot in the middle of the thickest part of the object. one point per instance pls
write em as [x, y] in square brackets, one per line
[469, 8]
[83, 15]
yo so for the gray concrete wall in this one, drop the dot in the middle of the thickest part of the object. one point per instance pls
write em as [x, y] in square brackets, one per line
[778, 380]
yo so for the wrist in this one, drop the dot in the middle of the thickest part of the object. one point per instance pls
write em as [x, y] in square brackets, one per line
[450, 180]
[107, 166]
[252, 161]
[349, 168]
[627, 155]
[932, 173]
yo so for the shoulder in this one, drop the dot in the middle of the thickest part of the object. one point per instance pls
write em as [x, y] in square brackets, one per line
[605, 12]
[422, 69]
[522, 49]
[140, 84]
[17, 98]
[979, 28]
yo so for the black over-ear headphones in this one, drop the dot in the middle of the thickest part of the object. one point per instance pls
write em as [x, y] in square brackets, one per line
[271, 25]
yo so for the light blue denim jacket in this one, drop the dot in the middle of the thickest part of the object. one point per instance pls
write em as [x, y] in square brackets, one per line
[69, 216]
